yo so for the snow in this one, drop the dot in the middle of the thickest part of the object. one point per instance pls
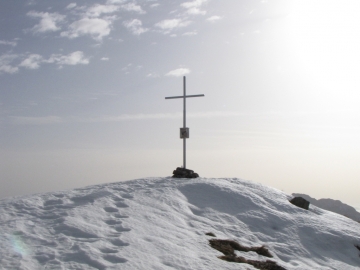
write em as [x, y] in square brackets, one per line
[160, 223]
[335, 206]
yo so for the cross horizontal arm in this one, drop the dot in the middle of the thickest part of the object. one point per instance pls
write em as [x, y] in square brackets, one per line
[185, 96]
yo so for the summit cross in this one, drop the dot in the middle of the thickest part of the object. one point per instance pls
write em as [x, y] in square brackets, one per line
[184, 131]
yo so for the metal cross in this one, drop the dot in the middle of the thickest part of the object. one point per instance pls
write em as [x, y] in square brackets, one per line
[184, 132]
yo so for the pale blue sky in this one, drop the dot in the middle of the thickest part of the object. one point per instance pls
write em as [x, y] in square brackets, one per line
[82, 87]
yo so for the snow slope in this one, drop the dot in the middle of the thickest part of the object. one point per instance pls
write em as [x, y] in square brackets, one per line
[160, 223]
[335, 206]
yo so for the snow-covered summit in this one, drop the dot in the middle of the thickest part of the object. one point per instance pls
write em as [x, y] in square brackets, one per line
[161, 223]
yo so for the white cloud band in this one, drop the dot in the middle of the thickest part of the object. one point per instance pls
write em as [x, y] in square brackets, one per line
[178, 72]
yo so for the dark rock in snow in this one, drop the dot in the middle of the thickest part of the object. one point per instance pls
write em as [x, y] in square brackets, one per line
[184, 173]
[300, 202]
[335, 206]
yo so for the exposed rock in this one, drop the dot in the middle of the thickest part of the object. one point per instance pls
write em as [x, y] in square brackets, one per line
[184, 173]
[228, 247]
[300, 202]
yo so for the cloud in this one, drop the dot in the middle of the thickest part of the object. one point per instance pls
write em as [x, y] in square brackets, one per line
[213, 18]
[169, 25]
[105, 58]
[135, 26]
[193, 33]
[32, 61]
[195, 3]
[48, 21]
[128, 6]
[5, 63]
[72, 59]
[71, 5]
[159, 116]
[133, 7]
[26, 120]
[97, 10]
[194, 7]
[95, 27]
[153, 75]
[115, 1]
[178, 72]
[11, 43]
[48, 120]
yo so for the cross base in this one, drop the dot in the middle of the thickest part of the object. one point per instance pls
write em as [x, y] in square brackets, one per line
[184, 173]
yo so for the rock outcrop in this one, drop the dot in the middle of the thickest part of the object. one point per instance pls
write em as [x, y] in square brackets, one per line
[300, 202]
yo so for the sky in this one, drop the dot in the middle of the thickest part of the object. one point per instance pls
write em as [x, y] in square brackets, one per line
[83, 87]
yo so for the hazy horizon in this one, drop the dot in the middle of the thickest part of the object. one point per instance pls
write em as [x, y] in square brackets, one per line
[83, 87]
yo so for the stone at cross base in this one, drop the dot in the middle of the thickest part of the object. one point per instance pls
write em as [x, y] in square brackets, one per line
[184, 173]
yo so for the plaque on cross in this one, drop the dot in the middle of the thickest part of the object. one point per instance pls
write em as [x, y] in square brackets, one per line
[184, 131]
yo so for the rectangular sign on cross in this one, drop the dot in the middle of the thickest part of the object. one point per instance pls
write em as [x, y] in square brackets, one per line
[184, 131]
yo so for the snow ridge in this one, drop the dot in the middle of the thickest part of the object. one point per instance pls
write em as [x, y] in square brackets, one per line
[160, 223]
[335, 206]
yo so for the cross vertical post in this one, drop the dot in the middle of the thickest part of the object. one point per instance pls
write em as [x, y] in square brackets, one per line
[184, 132]
[184, 122]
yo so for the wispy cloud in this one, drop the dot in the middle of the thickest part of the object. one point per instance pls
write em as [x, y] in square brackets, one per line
[154, 116]
[135, 27]
[71, 5]
[97, 10]
[169, 25]
[115, 1]
[213, 18]
[192, 33]
[133, 7]
[95, 21]
[46, 120]
[33, 61]
[48, 21]
[193, 7]
[97, 28]
[72, 59]
[178, 72]
[6, 63]
[50, 120]
[11, 43]
[154, 5]
[153, 75]
[26, 120]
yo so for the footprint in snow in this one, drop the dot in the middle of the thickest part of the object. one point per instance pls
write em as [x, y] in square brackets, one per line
[118, 242]
[117, 199]
[121, 204]
[110, 209]
[122, 229]
[127, 196]
[114, 259]
[117, 215]
[112, 222]
[108, 250]
[89, 198]
[70, 230]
